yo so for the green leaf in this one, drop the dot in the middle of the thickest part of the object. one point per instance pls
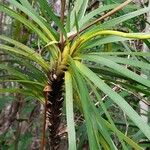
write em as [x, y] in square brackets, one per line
[93, 141]
[28, 6]
[129, 61]
[22, 91]
[91, 129]
[69, 111]
[35, 18]
[83, 10]
[116, 98]
[106, 112]
[24, 81]
[95, 126]
[125, 138]
[118, 68]
[76, 23]
[25, 21]
[121, 53]
[88, 36]
[30, 69]
[28, 53]
[100, 41]
[120, 135]
[95, 12]
[85, 38]
[49, 11]
[14, 90]
[13, 71]
[113, 22]
[76, 9]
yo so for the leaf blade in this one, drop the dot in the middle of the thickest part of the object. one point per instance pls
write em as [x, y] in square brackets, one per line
[116, 98]
[69, 111]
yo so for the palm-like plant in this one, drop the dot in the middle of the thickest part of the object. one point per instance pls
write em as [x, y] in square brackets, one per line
[74, 61]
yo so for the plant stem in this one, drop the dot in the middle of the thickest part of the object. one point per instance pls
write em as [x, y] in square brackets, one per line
[63, 3]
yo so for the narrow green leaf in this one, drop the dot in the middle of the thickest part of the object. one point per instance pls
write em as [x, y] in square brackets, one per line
[95, 12]
[14, 90]
[25, 21]
[69, 111]
[22, 91]
[125, 138]
[116, 98]
[76, 9]
[95, 126]
[93, 142]
[118, 68]
[48, 9]
[121, 53]
[83, 9]
[91, 35]
[28, 6]
[24, 81]
[113, 22]
[131, 62]
[35, 18]
[13, 71]
[28, 54]
[76, 23]
[100, 41]
[108, 116]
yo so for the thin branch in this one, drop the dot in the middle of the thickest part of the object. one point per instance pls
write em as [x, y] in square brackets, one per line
[63, 3]
[110, 13]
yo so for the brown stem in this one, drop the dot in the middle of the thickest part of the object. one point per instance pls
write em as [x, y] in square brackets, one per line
[54, 109]
[110, 13]
[63, 3]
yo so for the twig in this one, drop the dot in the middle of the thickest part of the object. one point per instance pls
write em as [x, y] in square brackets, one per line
[115, 88]
[134, 94]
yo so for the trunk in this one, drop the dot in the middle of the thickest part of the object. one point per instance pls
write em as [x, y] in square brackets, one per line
[54, 108]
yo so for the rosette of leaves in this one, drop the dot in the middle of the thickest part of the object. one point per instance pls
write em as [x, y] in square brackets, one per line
[83, 55]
